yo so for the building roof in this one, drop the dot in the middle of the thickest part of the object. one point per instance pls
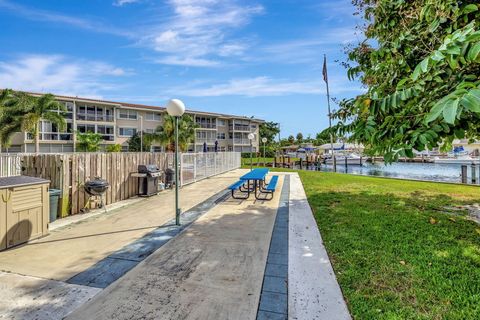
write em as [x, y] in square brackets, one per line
[146, 107]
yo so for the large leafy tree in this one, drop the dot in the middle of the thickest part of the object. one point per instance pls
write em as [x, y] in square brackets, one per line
[22, 112]
[420, 64]
[165, 133]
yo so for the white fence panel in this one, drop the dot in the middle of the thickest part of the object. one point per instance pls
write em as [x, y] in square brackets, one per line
[198, 166]
[10, 165]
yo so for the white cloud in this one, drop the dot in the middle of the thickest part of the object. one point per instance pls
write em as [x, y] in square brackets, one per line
[57, 74]
[120, 3]
[263, 86]
[49, 16]
[199, 30]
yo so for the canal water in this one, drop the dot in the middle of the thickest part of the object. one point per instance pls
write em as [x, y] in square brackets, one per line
[402, 170]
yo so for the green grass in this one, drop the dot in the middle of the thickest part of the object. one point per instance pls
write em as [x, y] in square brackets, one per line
[397, 254]
[256, 161]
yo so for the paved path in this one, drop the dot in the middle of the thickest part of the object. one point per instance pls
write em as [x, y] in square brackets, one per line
[313, 290]
[213, 270]
[24, 297]
[70, 250]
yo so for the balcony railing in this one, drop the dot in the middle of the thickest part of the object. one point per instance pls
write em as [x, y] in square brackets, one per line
[53, 136]
[243, 141]
[206, 125]
[95, 117]
[239, 127]
[202, 141]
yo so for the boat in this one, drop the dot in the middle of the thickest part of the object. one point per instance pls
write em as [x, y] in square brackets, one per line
[349, 159]
[463, 159]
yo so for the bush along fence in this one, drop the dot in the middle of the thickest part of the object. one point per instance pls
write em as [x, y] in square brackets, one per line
[69, 172]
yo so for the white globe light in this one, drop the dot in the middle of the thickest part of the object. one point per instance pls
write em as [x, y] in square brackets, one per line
[251, 136]
[264, 140]
[175, 108]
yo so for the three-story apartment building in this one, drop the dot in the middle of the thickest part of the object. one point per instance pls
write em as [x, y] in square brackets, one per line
[117, 122]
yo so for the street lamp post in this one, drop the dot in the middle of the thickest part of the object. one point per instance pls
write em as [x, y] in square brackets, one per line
[264, 140]
[176, 109]
[251, 136]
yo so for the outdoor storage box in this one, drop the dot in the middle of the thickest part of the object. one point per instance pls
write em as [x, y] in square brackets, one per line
[24, 210]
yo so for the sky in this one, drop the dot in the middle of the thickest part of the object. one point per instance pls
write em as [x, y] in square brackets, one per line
[259, 58]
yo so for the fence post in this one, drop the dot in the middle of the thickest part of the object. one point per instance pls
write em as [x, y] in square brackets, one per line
[195, 167]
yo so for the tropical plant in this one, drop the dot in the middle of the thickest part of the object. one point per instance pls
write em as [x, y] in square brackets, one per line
[23, 112]
[420, 63]
[88, 141]
[114, 148]
[165, 134]
[135, 142]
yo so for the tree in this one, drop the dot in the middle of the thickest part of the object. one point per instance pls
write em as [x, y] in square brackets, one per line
[135, 142]
[291, 139]
[421, 75]
[23, 112]
[165, 134]
[88, 141]
[323, 138]
[269, 130]
[299, 138]
[114, 148]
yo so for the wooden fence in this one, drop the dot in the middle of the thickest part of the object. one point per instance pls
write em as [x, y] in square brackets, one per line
[69, 172]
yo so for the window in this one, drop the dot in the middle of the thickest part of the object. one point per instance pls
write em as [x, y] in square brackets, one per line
[127, 114]
[221, 122]
[153, 116]
[254, 126]
[126, 132]
[221, 136]
[150, 131]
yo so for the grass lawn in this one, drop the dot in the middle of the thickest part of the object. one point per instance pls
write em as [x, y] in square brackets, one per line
[396, 253]
[256, 161]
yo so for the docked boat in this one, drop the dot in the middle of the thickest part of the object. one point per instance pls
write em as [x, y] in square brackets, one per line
[463, 159]
[351, 159]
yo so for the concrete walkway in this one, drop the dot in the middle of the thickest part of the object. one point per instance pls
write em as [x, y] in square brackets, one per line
[313, 290]
[213, 270]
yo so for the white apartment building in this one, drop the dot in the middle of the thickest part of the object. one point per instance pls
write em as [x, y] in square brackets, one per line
[117, 122]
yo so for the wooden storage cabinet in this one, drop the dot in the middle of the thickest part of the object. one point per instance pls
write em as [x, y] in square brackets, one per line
[24, 210]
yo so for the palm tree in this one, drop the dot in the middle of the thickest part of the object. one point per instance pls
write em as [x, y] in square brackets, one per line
[23, 112]
[165, 134]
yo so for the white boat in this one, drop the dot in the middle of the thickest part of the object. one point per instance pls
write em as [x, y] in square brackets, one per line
[351, 159]
[463, 159]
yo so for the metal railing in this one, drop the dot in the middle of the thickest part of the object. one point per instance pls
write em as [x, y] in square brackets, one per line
[198, 166]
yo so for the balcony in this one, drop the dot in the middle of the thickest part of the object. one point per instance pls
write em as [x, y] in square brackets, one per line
[202, 125]
[244, 142]
[239, 127]
[53, 136]
[202, 141]
[95, 117]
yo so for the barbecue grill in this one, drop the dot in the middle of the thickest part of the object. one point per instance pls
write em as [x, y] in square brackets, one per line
[96, 188]
[148, 180]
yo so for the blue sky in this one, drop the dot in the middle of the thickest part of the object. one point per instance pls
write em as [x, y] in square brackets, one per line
[254, 58]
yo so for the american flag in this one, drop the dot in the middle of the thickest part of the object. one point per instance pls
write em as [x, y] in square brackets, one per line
[325, 73]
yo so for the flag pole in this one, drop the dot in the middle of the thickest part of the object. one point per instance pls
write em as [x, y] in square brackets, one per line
[325, 77]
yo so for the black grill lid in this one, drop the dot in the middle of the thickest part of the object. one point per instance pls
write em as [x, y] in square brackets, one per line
[149, 168]
[97, 182]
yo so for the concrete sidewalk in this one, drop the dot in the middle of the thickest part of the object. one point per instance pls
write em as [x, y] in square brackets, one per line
[313, 290]
[70, 250]
[213, 270]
